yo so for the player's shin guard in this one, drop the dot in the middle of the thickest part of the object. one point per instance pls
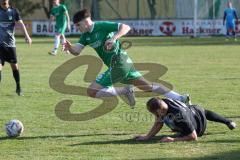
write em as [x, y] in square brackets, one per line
[110, 91]
[162, 90]
[128, 93]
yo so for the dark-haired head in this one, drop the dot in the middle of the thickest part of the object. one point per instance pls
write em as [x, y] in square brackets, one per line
[82, 21]
[157, 107]
[81, 15]
[153, 104]
[4, 3]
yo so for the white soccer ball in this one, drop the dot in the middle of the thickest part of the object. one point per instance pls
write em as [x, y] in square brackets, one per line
[14, 128]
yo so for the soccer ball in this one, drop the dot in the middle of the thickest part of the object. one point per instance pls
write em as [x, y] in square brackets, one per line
[14, 128]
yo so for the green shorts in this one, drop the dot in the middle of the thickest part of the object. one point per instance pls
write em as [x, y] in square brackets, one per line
[121, 70]
[61, 29]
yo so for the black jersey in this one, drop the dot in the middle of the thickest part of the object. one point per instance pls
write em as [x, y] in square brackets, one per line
[7, 25]
[184, 118]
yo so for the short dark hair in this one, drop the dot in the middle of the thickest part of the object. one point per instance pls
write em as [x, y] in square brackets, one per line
[80, 15]
[153, 104]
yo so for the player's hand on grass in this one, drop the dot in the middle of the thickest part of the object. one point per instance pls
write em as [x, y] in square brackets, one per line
[28, 40]
[66, 46]
[109, 44]
[141, 138]
[167, 139]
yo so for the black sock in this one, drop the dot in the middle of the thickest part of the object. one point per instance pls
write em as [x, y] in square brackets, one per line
[227, 34]
[212, 116]
[234, 33]
[16, 76]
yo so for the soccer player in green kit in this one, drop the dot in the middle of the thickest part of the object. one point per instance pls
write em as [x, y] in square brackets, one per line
[60, 14]
[103, 38]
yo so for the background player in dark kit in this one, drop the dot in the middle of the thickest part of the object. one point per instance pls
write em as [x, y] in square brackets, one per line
[8, 18]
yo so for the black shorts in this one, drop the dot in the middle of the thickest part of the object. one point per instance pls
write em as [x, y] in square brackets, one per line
[200, 118]
[8, 54]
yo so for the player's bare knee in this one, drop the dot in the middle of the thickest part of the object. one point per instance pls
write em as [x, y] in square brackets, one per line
[143, 84]
[145, 88]
[91, 92]
[14, 66]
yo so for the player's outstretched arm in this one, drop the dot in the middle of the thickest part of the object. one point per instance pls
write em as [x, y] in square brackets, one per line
[157, 126]
[73, 49]
[27, 37]
[123, 30]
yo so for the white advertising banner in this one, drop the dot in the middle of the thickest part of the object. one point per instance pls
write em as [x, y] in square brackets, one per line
[152, 28]
[177, 27]
[42, 28]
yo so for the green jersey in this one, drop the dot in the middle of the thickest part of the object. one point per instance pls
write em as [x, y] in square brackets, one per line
[120, 65]
[59, 13]
[97, 37]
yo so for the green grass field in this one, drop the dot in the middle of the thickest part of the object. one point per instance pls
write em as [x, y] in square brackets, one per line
[207, 68]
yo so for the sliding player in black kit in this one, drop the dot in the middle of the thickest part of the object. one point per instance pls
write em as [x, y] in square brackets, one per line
[189, 120]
